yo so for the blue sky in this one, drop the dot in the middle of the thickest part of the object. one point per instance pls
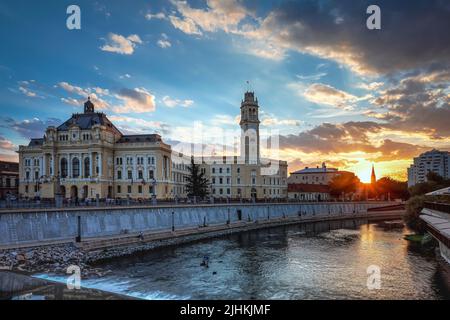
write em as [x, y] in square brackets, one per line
[160, 66]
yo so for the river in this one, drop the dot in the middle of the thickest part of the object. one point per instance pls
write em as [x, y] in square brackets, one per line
[281, 263]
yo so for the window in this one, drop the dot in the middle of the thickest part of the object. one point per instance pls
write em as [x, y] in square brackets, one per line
[150, 189]
[238, 170]
[130, 174]
[213, 170]
[63, 168]
[220, 180]
[27, 175]
[119, 189]
[139, 189]
[75, 168]
[87, 167]
[238, 180]
[213, 180]
[140, 174]
[228, 170]
[119, 175]
[26, 189]
[228, 191]
[129, 189]
[228, 180]
[220, 170]
[221, 191]
[36, 175]
[151, 174]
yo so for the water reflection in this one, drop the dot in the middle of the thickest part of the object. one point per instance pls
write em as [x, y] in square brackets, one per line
[295, 262]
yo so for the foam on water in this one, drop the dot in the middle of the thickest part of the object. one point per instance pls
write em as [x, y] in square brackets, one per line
[119, 287]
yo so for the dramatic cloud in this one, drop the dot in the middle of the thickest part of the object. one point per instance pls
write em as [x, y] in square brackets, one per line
[137, 100]
[120, 44]
[325, 94]
[334, 30]
[172, 103]
[220, 15]
[32, 128]
[418, 103]
[94, 93]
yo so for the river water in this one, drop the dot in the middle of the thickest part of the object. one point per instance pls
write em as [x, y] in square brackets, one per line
[281, 263]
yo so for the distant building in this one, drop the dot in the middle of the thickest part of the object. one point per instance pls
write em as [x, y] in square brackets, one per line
[432, 161]
[308, 192]
[88, 157]
[373, 177]
[319, 175]
[9, 179]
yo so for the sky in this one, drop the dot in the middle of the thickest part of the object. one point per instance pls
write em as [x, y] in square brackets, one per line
[329, 89]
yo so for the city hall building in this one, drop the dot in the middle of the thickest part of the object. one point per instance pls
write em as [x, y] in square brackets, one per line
[88, 157]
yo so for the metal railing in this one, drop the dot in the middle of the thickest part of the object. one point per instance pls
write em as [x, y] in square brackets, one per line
[124, 202]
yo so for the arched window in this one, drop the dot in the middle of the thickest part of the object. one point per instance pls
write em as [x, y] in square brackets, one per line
[87, 165]
[64, 168]
[75, 168]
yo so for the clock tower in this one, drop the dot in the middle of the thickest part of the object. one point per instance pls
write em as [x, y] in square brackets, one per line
[250, 129]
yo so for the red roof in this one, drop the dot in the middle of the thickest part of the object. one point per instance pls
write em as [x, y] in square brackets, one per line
[313, 188]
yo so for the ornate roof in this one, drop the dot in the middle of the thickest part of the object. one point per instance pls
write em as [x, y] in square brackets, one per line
[86, 120]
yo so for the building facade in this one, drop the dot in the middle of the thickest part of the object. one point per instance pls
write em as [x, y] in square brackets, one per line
[87, 157]
[431, 161]
[248, 175]
[9, 179]
[319, 175]
[308, 192]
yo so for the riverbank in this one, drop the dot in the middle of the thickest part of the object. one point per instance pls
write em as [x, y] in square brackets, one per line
[56, 258]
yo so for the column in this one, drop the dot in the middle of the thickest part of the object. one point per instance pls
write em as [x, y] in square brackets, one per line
[134, 168]
[124, 172]
[146, 177]
[100, 172]
[90, 164]
[69, 165]
[42, 166]
[52, 164]
[81, 166]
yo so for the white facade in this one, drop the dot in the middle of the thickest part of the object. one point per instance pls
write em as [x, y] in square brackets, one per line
[432, 161]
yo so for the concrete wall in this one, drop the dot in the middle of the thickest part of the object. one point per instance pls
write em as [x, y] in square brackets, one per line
[53, 224]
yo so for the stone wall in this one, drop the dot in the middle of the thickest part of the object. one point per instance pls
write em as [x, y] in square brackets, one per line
[36, 226]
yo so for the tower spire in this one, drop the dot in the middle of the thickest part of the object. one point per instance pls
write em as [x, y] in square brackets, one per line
[373, 178]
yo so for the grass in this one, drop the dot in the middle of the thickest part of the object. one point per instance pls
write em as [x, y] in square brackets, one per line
[414, 237]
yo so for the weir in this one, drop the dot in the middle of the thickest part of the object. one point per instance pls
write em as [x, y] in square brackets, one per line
[37, 226]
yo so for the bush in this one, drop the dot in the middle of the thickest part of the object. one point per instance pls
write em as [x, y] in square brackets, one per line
[413, 208]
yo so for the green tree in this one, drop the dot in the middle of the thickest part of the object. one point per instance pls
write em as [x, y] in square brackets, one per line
[414, 207]
[387, 186]
[197, 185]
[434, 182]
[344, 183]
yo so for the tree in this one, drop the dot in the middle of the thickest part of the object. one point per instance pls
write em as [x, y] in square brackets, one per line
[197, 185]
[390, 187]
[344, 183]
[414, 207]
[434, 182]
